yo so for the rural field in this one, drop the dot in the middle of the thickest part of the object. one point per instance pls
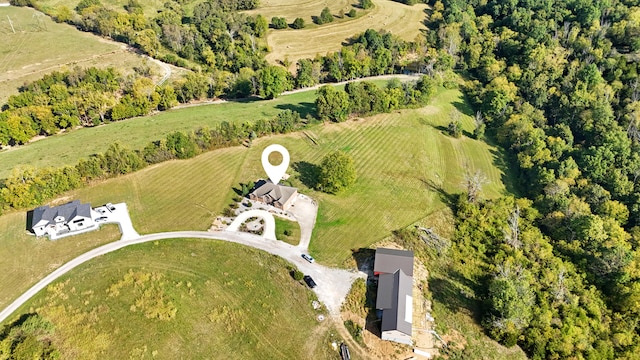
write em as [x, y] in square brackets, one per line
[28, 54]
[401, 20]
[299, 9]
[405, 162]
[150, 7]
[190, 297]
[402, 158]
[138, 132]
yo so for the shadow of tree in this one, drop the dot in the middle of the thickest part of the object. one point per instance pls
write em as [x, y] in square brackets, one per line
[303, 108]
[309, 173]
[6, 329]
[450, 199]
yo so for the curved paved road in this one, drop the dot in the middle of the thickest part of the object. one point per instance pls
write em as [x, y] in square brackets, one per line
[333, 284]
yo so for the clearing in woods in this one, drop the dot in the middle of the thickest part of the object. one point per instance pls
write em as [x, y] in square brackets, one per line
[405, 21]
[402, 158]
[40, 46]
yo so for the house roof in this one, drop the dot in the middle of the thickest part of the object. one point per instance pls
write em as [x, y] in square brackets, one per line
[396, 301]
[279, 193]
[390, 260]
[45, 214]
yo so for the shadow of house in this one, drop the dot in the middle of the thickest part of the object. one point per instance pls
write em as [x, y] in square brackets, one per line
[29, 222]
[364, 260]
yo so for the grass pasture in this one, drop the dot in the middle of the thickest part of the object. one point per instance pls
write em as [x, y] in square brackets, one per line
[305, 9]
[230, 302]
[138, 132]
[399, 19]
[403, 160]
[40, 46]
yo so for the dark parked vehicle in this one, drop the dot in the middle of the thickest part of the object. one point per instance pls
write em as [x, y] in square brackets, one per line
[309, 281]
[344, 352]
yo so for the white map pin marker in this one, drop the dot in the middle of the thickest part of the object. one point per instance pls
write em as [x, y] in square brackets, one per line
[275, 172]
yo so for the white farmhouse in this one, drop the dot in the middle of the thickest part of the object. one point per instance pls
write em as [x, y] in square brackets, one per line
[62, 219]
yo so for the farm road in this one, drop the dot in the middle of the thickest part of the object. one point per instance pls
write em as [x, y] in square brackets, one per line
[333, 284]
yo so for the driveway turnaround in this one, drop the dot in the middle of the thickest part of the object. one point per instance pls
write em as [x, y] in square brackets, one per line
[269, 222]
[333, 284]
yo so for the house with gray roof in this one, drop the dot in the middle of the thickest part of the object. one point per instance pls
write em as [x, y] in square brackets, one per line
[394, 269]
[61, 219]
[279, 196]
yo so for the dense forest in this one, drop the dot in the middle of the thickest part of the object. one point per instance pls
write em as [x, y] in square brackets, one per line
[554, 83]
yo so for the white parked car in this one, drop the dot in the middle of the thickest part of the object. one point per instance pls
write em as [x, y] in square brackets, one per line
[308, 258]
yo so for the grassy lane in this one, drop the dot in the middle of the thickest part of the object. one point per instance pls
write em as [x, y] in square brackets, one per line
[136, 133]
[227, 300]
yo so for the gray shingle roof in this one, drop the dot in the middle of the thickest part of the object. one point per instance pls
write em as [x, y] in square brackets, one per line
[279, 193]
[45, 214]
[395, 300]
[390, 260]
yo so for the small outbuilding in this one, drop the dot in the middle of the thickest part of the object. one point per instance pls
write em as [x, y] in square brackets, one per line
[58, 220]
[279, 196]
[394, 269]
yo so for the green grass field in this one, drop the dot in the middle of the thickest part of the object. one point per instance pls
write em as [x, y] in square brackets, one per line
[40, 46]
[150, 7]
[399, 19]
[222, 309]
[404, 159]
[283, 225]
[138, 132]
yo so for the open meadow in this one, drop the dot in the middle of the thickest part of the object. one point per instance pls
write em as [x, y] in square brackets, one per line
[195, 297]
[40, 46]
[404, 21]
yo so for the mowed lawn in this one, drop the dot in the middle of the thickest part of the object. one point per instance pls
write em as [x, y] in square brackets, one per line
[404, 21]
[25, 260]
[230, 302]
[138, 132]
[402, 158]
[40, 46]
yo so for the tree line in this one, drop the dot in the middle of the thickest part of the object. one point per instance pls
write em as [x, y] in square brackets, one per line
[28, 187]
[80, 97]
[366, 98]
[89, 97]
